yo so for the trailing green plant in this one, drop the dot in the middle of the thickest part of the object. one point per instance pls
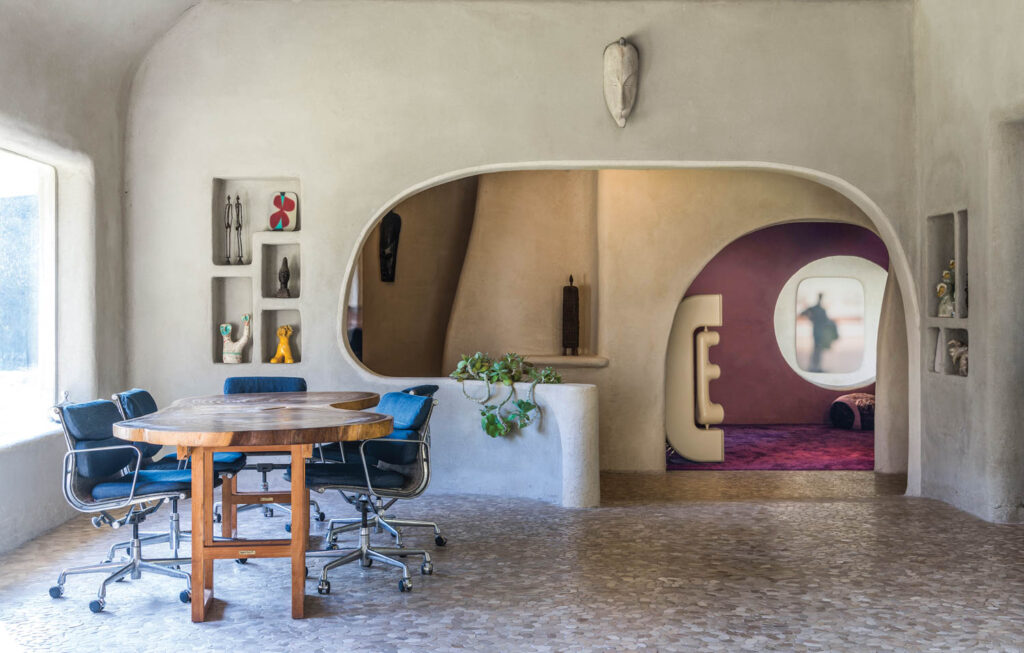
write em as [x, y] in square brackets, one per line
[511, 413]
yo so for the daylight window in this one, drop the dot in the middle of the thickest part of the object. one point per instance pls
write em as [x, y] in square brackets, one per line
[27, 368]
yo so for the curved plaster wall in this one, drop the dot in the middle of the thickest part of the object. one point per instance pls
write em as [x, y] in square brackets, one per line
[320, 107]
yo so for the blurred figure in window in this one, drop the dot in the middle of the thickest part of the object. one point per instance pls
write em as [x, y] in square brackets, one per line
[824, 332]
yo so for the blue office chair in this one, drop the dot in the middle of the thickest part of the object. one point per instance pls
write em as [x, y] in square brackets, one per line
[235, 385]
[103, 474]
[380, 519]
[136, 403]
[401, 471]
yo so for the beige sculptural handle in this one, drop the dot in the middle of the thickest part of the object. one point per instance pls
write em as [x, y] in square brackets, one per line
[708, 412]
[688, 371]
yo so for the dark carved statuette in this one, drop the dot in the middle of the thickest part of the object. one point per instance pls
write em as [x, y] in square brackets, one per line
[283, 275]
[571, 319]
[390, 228]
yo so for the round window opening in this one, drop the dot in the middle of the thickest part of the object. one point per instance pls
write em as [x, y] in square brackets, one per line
[826, 321]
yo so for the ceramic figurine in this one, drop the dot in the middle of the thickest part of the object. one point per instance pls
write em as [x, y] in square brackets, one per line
[621, 74]
[284, 349]
[284, 213]
[945, 290]
[283, 275]
[233, 349]
[958, 352]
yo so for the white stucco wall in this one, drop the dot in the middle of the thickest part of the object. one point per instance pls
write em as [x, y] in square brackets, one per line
[64, 70]
[364, 101]
[969, 81]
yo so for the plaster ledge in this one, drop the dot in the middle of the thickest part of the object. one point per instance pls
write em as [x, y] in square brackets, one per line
[567, 361]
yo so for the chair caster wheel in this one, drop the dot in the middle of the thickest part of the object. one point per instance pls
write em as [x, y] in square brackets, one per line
[440, 540]
[323, 587]
[242, 561]
[96, 522]
[307, 571]
[288, 527]
[405, 585]
[217, 518]
[366, 562]
[185, 596]
[320, 516]
[333, 546]
[427, 568]
[97, 605]
[56, 591]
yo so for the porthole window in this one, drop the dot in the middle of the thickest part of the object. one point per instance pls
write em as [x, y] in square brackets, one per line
[826, 321]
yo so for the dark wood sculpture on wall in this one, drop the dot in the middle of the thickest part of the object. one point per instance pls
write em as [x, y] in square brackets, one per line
[571, 319]
[390, 228]
[283, 276]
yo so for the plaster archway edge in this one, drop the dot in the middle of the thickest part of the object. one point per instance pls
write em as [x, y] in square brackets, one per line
[897, 256]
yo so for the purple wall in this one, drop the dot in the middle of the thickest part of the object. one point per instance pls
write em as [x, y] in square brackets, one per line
[757, 386]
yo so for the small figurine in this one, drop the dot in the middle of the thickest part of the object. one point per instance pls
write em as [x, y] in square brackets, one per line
[958, 352]
[284, 349]
[283, 275]
[227, 231]
[945, 290]
[238, 227]
[233, 350]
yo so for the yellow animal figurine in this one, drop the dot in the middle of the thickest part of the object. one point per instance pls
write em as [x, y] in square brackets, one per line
[284, 349]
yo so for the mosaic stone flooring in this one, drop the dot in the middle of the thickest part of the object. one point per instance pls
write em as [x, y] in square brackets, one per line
[698, 561]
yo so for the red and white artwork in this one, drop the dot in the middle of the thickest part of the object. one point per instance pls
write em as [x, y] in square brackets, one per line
[285, 211]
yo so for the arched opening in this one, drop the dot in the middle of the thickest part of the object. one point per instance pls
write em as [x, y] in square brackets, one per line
[638, 401]
[802, 306]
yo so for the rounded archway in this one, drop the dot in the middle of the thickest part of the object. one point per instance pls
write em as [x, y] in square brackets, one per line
[653, 402]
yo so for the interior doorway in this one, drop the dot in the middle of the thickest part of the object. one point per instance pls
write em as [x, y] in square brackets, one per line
[806, 307]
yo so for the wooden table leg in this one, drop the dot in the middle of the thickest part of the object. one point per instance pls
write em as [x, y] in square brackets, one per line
[228, 507]
[300, 529]
[202, 532]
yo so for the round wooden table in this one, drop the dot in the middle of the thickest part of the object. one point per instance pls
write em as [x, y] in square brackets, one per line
[285, 422]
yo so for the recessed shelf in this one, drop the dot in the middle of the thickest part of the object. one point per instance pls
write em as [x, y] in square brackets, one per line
[272, 256]
[941, 250]
[231, 299]
[256, 196]
[270, 321]
[961, 263]
[937, 340]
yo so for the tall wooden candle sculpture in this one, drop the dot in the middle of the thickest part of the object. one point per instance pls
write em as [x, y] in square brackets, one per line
[571, 319]
[233, 349]
[238, 227]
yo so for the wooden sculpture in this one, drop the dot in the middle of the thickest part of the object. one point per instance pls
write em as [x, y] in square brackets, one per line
[233, 349]
[284, 348]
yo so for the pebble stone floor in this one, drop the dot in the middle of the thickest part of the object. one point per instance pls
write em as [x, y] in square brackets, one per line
[717, 561]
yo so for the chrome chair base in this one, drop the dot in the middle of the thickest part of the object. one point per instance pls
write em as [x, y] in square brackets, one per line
[380, 521]
[132, 568]
[366, 555]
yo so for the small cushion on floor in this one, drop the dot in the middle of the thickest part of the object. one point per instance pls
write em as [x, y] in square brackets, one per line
[149, 482]
[853, 411]
[349, 475]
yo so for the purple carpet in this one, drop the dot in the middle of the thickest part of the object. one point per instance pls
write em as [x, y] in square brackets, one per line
[789, 446]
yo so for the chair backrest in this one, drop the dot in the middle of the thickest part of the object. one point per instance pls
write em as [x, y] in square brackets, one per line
[90, 425]
[426, 390]
[410, 414]
[135, 403]
[237, 385]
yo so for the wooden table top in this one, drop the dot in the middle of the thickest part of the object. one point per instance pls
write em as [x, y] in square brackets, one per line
[263, 419]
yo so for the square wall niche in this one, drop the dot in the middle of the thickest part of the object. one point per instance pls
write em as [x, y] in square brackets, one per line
[256, 196]
[938, 342]
[232, 298]
[272, 256]
[270, 320]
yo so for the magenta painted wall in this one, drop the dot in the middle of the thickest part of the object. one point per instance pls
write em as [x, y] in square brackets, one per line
[757, 386]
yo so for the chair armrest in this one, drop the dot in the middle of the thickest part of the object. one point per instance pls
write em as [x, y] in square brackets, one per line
[69, 492]
[362, 453]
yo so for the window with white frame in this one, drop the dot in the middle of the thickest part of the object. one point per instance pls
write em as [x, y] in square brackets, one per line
[27, 315]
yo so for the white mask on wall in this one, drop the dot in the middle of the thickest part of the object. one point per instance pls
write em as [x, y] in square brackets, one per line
[621, 75]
